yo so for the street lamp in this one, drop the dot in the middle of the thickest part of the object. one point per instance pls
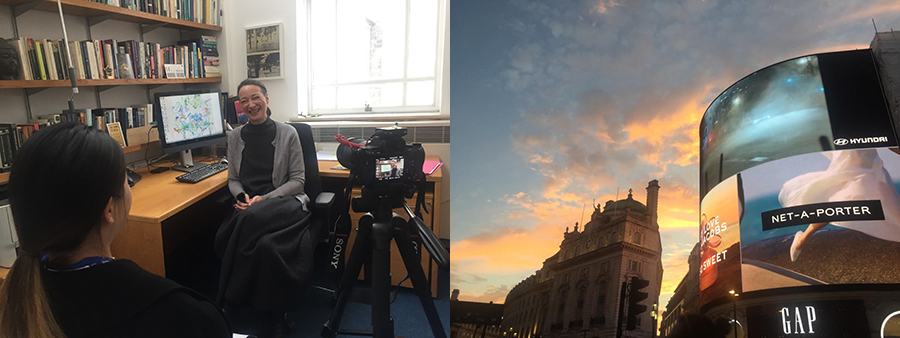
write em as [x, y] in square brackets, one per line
[734, 312]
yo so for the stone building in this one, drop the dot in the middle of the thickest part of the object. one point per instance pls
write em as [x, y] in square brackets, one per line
[687, 294]
[576, 293]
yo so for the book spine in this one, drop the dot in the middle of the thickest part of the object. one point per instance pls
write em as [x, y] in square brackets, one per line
[38, 52]
[25, 70]
[49, 63]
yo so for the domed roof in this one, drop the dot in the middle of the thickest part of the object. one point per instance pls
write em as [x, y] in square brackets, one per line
[621, 205]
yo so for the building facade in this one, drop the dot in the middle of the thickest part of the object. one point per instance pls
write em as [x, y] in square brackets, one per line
[577, 291]
[687, 294]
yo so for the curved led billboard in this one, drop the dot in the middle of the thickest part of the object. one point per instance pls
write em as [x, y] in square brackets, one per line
[799, 179]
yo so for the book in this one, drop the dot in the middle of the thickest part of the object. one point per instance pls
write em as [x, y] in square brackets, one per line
[75, 52]
[92, 59]
[115, 130]
[8, 141]
[429, 167]
[49, 61]
[126, 70]
[38, 53]
[100, 59]
[32, 59]
[25, 67]
[59, 56]
[110, 66]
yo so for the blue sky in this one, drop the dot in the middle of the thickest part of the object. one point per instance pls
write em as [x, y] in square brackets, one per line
[557, 104]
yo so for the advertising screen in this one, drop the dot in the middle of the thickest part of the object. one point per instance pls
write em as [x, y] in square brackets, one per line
[809, 104]
[720, 252]
[800, 161]
[822, 218]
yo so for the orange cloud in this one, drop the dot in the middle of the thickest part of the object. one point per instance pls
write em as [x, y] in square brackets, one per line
[867, 13]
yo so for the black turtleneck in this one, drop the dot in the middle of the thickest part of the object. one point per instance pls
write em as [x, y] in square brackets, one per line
[258, 158]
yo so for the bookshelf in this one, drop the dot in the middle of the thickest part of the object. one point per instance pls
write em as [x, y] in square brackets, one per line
[136, 25]
[89, 9]
[98, 83]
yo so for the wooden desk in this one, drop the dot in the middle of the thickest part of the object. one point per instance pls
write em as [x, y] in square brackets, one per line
[155, 199]
[432, 219]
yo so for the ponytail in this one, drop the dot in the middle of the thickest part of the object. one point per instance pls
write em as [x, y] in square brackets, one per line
[24, 308]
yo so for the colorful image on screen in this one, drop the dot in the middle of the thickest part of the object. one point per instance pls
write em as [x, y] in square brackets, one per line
[822, 218]
[720, 252]
[777, 112]
[190, 117]
[389, 168]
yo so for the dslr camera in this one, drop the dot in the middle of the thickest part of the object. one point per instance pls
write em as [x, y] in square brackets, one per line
[385, 164]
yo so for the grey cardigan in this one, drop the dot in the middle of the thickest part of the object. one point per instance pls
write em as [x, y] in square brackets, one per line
[288, 174]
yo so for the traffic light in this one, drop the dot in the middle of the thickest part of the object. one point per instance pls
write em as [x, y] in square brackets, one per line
[635, 296]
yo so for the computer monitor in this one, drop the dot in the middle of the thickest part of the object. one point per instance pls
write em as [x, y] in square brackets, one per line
[187, 120]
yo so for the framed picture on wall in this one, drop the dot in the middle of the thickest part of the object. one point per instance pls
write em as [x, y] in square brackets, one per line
[264, 51]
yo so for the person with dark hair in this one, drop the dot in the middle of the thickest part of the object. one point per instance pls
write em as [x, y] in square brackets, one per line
[695, 325]
[266, 265]
[69, 199]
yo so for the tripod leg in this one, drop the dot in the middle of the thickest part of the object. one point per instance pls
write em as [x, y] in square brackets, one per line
[361, 247]
[382, 323]
[420, 283]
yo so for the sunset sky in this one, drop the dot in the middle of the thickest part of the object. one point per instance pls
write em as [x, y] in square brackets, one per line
[556, 104]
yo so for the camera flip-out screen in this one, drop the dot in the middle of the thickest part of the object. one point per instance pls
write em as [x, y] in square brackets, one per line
[389, 168]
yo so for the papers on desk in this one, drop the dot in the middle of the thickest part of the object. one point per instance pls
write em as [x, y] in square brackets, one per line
[429, 167]
[326, 155]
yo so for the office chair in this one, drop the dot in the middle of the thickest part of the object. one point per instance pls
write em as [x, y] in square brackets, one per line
[313, 186]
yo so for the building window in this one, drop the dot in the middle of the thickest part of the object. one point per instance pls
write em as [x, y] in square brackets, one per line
[601, 299]
[635, 266]
[562, 304]
[604, 267]
[637, 238]
[375, 56]
[579, 301]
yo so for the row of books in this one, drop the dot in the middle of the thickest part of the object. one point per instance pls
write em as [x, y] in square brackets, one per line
[129, 117]
[12, 135]
[111, 59]
[202, 11]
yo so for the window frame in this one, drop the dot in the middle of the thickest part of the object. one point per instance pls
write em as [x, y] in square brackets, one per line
[435, 109]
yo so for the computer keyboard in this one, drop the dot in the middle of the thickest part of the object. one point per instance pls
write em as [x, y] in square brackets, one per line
[202, 173]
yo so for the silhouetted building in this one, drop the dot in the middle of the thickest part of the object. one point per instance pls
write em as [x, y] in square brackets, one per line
[687, 294]
[474, 320]
[576, 292]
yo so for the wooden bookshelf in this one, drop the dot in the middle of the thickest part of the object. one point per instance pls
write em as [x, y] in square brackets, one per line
[89, 9]
[101, 82]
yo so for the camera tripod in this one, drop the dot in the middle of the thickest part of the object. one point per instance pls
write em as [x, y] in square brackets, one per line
[376, 231]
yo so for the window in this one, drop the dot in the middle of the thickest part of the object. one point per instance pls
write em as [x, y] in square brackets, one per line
[375, 56]
[601, 298]
[637, 237]
[579, 301]
[635, 266]
[562, 304]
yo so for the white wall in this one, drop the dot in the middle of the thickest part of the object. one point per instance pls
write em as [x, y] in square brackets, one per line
[239, 14]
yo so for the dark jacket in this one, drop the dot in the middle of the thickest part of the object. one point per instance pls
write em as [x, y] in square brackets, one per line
[119, 299]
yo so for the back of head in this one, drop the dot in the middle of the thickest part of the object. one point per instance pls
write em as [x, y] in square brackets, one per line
[61, 180]
[695, 325]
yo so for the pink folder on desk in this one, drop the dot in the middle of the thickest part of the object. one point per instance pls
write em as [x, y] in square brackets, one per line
[429, 167]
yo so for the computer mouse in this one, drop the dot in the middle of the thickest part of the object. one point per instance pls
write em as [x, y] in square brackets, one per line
[223, 160]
